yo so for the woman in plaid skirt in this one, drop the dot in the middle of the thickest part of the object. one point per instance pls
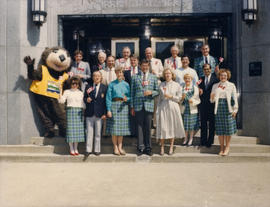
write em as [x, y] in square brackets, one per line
[117, 98]
[190, 100]
[226, 106]
[75, 124]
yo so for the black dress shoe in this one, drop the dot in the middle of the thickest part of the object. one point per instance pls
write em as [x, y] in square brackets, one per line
[208, 145]
[49, 134]
[139, 152]
[86, 155]
[148, 152]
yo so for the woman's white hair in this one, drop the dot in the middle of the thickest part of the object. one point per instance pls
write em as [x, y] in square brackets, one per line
[102, 54]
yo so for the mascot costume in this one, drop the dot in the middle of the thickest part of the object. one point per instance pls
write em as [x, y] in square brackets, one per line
[46, 87]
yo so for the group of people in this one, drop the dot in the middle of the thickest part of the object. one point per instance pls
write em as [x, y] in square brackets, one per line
[123, 98]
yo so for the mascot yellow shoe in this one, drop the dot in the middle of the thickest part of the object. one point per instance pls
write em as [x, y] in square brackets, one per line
[46, 86]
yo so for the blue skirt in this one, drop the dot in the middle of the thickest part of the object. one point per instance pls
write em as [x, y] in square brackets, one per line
[75, 125]
[119, 124]
[224, 122]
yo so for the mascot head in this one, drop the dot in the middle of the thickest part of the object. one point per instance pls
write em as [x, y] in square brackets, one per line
[56, 58]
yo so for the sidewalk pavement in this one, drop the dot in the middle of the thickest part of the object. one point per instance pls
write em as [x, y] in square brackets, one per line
[134, 184]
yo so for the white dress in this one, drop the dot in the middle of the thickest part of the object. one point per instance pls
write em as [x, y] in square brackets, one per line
[169, 118]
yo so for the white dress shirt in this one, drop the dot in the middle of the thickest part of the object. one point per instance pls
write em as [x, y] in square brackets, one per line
[97, 89]
[122, 62]
[169, 62]
[134, 70]
[208, 79]
[108, 75]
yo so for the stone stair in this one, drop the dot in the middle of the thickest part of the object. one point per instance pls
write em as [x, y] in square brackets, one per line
[243, 149]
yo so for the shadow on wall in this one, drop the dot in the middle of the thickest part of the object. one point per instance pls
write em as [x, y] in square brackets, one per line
[33, 32]
[23, 84]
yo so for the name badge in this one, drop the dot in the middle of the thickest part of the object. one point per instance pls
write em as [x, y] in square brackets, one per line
[145, 83]
[82, 69]
[90, 90]
[222, 87]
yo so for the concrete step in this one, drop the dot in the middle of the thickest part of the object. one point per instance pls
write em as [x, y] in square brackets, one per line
[107, 149]
[177, 157]
[133, 140]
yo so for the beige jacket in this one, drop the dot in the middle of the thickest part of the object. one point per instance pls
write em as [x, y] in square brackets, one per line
[195, 102]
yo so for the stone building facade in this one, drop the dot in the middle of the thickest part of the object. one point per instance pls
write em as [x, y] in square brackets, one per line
[19, 37]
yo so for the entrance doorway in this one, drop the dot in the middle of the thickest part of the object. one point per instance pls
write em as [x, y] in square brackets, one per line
[110, 34]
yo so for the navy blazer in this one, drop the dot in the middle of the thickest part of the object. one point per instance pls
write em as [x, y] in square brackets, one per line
[97, 106]
[205, 97]
[128, 77]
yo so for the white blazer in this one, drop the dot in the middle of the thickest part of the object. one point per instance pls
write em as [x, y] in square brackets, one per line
[157, 66]
[230, 90]
[122, 62]
[195, 101]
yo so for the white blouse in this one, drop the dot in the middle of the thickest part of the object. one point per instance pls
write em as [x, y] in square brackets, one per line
[73, 97]
[220, 90]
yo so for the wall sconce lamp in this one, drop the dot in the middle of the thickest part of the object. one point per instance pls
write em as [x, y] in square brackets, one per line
[147, 31]
[77, 34]
[215, 33]
[39, 12]
[249, 11]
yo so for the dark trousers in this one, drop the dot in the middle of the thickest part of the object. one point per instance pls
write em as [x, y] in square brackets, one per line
[144, 119]
[51, 112]
[207, 124]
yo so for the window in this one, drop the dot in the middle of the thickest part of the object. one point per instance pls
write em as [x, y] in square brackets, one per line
[117, 46]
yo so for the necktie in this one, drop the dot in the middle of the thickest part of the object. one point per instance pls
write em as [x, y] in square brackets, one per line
[174, 63]
[144, 79]
[206, 60]
[206, 82]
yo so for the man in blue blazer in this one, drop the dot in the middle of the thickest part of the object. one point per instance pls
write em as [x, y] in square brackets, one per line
[95, 112]
[206, 108]
[144, 88]
[205, 59]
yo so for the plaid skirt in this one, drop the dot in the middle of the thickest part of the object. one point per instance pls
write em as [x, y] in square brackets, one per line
[224, 122]
[119, 124]
[191, 121]
[75, 125]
